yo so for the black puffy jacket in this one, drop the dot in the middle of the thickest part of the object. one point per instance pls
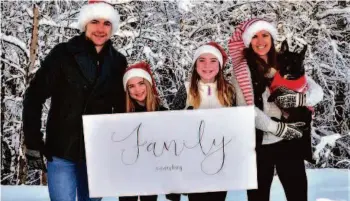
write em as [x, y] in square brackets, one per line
[79, 81]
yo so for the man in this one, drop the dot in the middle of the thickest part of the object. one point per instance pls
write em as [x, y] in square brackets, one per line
[82, 76]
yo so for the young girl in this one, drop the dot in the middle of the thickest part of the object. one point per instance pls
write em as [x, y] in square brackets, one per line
[254, 62]
[207, 89]
[141, 96]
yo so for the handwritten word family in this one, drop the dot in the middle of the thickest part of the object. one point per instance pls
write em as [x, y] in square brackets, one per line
[214, 153]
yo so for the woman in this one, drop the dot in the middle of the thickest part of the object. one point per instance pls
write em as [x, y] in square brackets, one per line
[207, 89]
[141, 96]
[254, 65]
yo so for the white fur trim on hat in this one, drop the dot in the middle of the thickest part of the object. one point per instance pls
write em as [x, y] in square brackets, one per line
[208, 49]
[97, 11]
[254, 28]
[136, 72]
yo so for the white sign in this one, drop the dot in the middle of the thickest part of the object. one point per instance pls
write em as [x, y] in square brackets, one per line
[170, 152]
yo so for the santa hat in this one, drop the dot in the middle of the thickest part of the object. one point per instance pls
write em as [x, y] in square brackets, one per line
[96, 9]
[241, 39]
[142, 70]
[212, 48]
[253, 26]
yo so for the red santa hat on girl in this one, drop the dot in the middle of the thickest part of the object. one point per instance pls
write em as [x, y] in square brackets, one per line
[253, 26]
[96, 9]
[212, 48]
[142, 70]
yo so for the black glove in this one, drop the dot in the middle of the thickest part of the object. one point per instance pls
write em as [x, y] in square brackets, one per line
[286, 98]
[35, 160]
[289, 131]
[189, 107]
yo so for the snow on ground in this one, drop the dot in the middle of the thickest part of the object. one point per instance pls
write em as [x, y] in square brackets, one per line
[324, 185]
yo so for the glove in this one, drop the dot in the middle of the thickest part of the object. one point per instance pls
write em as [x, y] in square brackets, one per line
[35, 160]
[173, 197]
[289, 131]
[189, 107]
[286, 98]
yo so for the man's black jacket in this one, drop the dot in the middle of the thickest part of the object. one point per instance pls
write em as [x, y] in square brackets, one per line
[79, 81]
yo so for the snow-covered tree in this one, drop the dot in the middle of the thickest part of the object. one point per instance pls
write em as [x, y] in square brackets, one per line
[166, 33]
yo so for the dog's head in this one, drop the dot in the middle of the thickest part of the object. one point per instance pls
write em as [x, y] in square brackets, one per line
[291, 63]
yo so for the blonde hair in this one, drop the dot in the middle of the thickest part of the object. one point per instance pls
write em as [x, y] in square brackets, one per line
[151, 101]
[225, 91]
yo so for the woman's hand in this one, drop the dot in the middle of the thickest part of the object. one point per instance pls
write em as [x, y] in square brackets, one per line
[289, 131]
[286, 98]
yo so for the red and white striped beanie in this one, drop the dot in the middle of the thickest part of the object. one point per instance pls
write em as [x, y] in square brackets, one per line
[241, 39]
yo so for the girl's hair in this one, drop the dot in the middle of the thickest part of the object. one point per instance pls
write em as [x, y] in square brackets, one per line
[259, 68]
[225, 91]
[151, 101]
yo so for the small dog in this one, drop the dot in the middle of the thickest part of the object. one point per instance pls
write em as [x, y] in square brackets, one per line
[291, 63]
[291, 75]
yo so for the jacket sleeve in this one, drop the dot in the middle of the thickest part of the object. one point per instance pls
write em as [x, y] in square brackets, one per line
[119, 97]
[40, 88]
[124, 63]
[314, 93]
[179, 101]
[264, 122]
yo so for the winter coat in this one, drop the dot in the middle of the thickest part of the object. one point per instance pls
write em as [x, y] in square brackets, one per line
[79, 81]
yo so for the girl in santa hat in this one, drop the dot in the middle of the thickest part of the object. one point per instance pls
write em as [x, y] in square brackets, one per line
[141, 92]
[141, 96]
[254, 69]
[206, 89]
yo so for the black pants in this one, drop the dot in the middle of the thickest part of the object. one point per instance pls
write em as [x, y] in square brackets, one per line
[211, 196]
[173, 197]
[290, 170]
[142, 198]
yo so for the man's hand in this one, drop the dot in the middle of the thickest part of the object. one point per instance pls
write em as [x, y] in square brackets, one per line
[35, 160]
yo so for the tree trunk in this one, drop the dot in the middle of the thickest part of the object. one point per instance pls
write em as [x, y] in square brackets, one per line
[23, 169]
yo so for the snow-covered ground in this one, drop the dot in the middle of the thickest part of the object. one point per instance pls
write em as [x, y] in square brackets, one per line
[324, 185]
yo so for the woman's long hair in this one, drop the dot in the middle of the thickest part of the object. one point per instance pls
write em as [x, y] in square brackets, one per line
[151, 101]
[259, 68]
[225, 91]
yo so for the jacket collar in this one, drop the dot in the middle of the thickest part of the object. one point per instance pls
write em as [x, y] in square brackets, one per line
[139, 108]
[87, 58]
[204, 86]
[80, 44]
